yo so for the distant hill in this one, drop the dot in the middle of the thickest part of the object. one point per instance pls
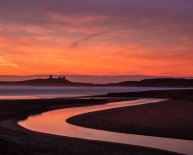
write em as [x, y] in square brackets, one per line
[103, 79]
[156, 82]
[161, 82]
[44, 82]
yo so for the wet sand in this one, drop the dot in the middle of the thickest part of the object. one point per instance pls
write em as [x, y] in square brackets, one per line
[171, 118]
[19, 141]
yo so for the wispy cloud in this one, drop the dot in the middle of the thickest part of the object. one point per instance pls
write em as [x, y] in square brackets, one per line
[4, 62]
[34, 33]
[89, 37]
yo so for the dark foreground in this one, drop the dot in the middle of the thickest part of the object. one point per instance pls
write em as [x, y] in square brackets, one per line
[15, 140]
[171, 118]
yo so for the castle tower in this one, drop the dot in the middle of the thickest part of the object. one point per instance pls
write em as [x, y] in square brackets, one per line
[63, 77]
[50, 77]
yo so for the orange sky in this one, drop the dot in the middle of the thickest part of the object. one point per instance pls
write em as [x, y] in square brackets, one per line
[126, 37]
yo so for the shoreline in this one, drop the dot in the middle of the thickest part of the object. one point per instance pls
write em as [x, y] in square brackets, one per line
[163, 119]
[16, 140]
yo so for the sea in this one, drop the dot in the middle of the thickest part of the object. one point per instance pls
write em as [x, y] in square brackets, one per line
[34, 92]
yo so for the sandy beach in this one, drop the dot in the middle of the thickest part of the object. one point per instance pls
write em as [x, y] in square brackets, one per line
[17, 140]
[96, 77]
[170, 118]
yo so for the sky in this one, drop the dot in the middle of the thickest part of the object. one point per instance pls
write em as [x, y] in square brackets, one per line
[96, 37]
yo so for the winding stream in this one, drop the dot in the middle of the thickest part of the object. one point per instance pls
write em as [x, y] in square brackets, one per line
[54, 122]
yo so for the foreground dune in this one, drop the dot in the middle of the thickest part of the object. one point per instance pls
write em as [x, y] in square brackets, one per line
[16, 140]
[171, 118]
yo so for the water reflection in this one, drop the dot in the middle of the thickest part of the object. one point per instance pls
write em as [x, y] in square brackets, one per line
[29, 92]
[53, 122]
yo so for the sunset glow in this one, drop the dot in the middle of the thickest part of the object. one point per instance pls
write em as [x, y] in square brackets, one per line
[96, 37]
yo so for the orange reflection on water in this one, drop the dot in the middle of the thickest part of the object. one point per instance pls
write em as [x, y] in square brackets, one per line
[54, 122]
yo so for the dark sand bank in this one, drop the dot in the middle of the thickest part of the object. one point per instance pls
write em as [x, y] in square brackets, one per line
[18, 141]
[171, 118]
[178, 94]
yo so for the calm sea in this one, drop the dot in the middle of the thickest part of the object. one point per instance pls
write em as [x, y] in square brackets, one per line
[26, 92]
